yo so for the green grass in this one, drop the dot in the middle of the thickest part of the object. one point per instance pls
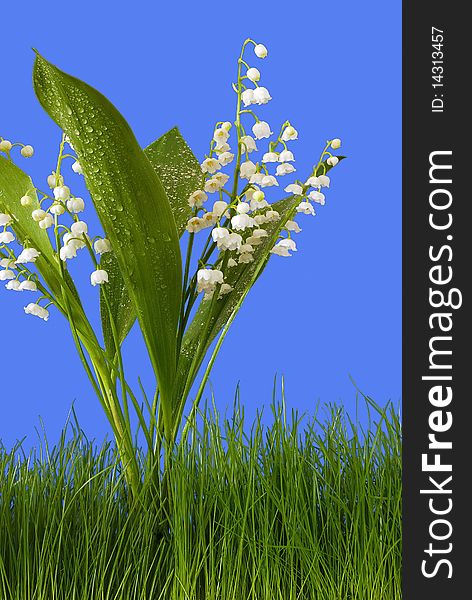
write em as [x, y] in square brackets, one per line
[306, 509]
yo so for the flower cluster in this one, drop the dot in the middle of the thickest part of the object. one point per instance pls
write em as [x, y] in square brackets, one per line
[67, 239]
[236, 207]
[6, 147]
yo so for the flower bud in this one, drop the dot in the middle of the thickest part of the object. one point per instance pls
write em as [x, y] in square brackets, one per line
[75, 205]
[38, 214]
[226, 126]
[102, 246]
[253, 74]
[57, 209]
[77, 168]
[5, 146]
[336, 143]
[260, 51]
[242, 208]
[61, 192]
[4, 219]
[27, 151]
[26, 200]
[52, 180]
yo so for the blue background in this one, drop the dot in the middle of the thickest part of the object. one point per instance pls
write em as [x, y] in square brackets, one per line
[331, 311]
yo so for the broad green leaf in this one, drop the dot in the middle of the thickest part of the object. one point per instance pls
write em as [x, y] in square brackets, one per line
[180, 174]
[119, 301]
[179, 171]
[131, 204]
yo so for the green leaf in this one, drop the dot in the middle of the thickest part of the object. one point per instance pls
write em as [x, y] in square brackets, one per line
[211, 316]
[179, 171]
[131, 204]
[119, 301]
[180, 174]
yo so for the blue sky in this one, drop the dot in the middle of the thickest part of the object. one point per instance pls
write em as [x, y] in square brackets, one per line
[334, 69]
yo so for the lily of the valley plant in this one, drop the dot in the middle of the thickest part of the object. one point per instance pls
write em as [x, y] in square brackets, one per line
[146, 201]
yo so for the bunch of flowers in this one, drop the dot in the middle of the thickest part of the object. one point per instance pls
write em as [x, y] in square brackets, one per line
[236, 207]
[58, 213]
[145, 200]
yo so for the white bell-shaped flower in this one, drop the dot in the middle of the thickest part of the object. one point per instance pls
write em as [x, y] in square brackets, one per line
[5, 145]
[13, 285]
[260, 51]
[28, 286]
[76, 205]
[242, 208]
[270, 157]
[248, 143]
[225, 158]
[47, 222]
[27, 255]
[6, 237]
[247, 169]
[6, 274]
[99, 277]
[286, 156]
[261, 95]
[219, 208]
[197, 198]
[102, 246]
[289, 133]
[37, 311]
[4, 219]
[79, 228]
[242, 222]
[210, 165]
[292, 226]
[295, 189]
[306, 208]
[61, 192]
[317, 197]
[248, 97]
[27, 151]
[269, 181]
[284, 169]
[253, 74]
[261, 130]
[77, 168]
